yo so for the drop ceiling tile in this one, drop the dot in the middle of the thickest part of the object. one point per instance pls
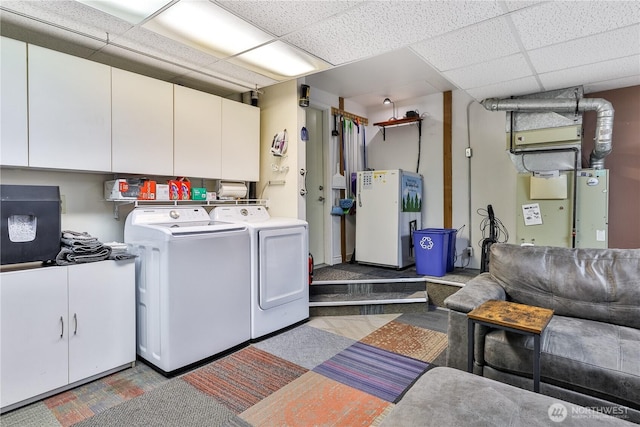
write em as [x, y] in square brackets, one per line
[558, 21]
[47, 36]
[523, 86]
[604, 46]
[470, 45]
[602, 71]
[164, 48]
[377, 27]
[521, 4]
[72, 16]
[283, 17]
[612, 84]
[491, 72]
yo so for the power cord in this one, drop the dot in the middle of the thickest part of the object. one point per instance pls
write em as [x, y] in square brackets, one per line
[501, 232]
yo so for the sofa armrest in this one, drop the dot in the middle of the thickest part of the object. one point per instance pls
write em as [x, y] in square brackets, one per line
[477, 290]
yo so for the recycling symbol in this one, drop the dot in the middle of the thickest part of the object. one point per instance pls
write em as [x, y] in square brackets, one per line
[426, 243]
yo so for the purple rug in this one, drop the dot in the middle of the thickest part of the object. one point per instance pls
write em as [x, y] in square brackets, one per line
[373, 370]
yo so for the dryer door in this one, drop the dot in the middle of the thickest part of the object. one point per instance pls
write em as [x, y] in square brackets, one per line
[283, 255]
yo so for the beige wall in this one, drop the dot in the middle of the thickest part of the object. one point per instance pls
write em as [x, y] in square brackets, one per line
[279, 111]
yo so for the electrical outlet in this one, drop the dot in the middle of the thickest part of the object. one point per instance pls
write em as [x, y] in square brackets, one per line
[63, 204]
[468, 251]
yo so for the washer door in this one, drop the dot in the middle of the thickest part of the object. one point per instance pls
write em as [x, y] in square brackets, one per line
[282, 264]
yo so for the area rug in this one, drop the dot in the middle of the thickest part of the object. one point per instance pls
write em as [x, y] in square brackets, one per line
[315, 400]
[175, 403]
[373, 370]
[243, 378]
[408, 340]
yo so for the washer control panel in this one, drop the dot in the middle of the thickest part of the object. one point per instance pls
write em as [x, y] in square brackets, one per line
[169, 215]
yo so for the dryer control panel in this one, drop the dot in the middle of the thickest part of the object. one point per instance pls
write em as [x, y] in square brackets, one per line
[240, 213]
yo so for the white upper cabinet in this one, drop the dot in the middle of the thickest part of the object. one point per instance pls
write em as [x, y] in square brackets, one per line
[197, 133]
[69, 112]
[240, 141]
[14, 149]
[142, 140]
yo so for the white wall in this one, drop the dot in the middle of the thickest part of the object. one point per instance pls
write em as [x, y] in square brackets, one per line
[86, 209]
[489, 176]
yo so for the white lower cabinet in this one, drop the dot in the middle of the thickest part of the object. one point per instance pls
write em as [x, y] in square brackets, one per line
[64, 325]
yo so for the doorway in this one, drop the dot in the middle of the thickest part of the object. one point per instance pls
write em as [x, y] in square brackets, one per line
[316, 195]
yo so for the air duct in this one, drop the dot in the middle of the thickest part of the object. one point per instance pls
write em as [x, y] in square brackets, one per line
[603, 108]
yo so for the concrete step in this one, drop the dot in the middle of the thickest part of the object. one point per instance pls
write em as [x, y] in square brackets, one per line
[368, 296]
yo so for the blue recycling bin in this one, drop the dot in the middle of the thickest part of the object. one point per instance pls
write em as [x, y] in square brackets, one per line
[451, 254]
[431, 246]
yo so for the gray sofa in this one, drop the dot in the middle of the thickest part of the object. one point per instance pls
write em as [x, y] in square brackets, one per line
[591, 348]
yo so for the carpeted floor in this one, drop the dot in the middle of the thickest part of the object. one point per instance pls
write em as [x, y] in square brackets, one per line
[330, 371]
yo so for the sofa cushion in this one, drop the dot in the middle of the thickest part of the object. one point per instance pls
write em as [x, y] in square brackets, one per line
[596, 284]
[590, 357]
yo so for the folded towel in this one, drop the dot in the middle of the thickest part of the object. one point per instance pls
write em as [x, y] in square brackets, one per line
[81, 247]
[76, 235]
[121, 256]
[67, 256]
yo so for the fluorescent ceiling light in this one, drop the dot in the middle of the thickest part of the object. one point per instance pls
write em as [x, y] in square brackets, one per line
[133, 11]
[207, 27]
[280, 60]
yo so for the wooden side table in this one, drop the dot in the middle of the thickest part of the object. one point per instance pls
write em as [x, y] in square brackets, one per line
[513, 317]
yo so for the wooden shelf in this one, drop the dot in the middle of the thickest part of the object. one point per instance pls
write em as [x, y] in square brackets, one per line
[398, 122]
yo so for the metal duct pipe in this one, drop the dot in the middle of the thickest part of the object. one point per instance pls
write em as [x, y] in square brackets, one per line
[604, 120]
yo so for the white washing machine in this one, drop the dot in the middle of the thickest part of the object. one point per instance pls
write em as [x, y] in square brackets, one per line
[279, 267]
[192, 285]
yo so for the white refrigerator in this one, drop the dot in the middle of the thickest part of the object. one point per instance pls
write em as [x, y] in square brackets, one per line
[388, 211]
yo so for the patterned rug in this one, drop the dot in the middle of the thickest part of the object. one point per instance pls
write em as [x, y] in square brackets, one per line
[330, 371]
[315, 400]
[412, 341]
[244, 378]
[373, 370]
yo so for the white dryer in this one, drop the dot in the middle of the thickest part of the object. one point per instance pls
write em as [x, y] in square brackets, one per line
[192, 285]
[279, 267]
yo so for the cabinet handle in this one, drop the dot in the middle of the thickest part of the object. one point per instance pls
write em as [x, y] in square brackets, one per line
[61, 326]
[75, 320]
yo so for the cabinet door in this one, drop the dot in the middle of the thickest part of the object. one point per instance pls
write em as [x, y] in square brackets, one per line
[240, 141]
[13, 107]
[69, 112]
[142, 124]
[102, 320]
[34, 340]
[197, 143]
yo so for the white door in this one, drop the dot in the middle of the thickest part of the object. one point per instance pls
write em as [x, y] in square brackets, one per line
[240, 152]
[102, 317]
[282, 263]
[69, 111]
[197, 133]
[142, 124]
[316, 196]
[34, 326]
[13, 103]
